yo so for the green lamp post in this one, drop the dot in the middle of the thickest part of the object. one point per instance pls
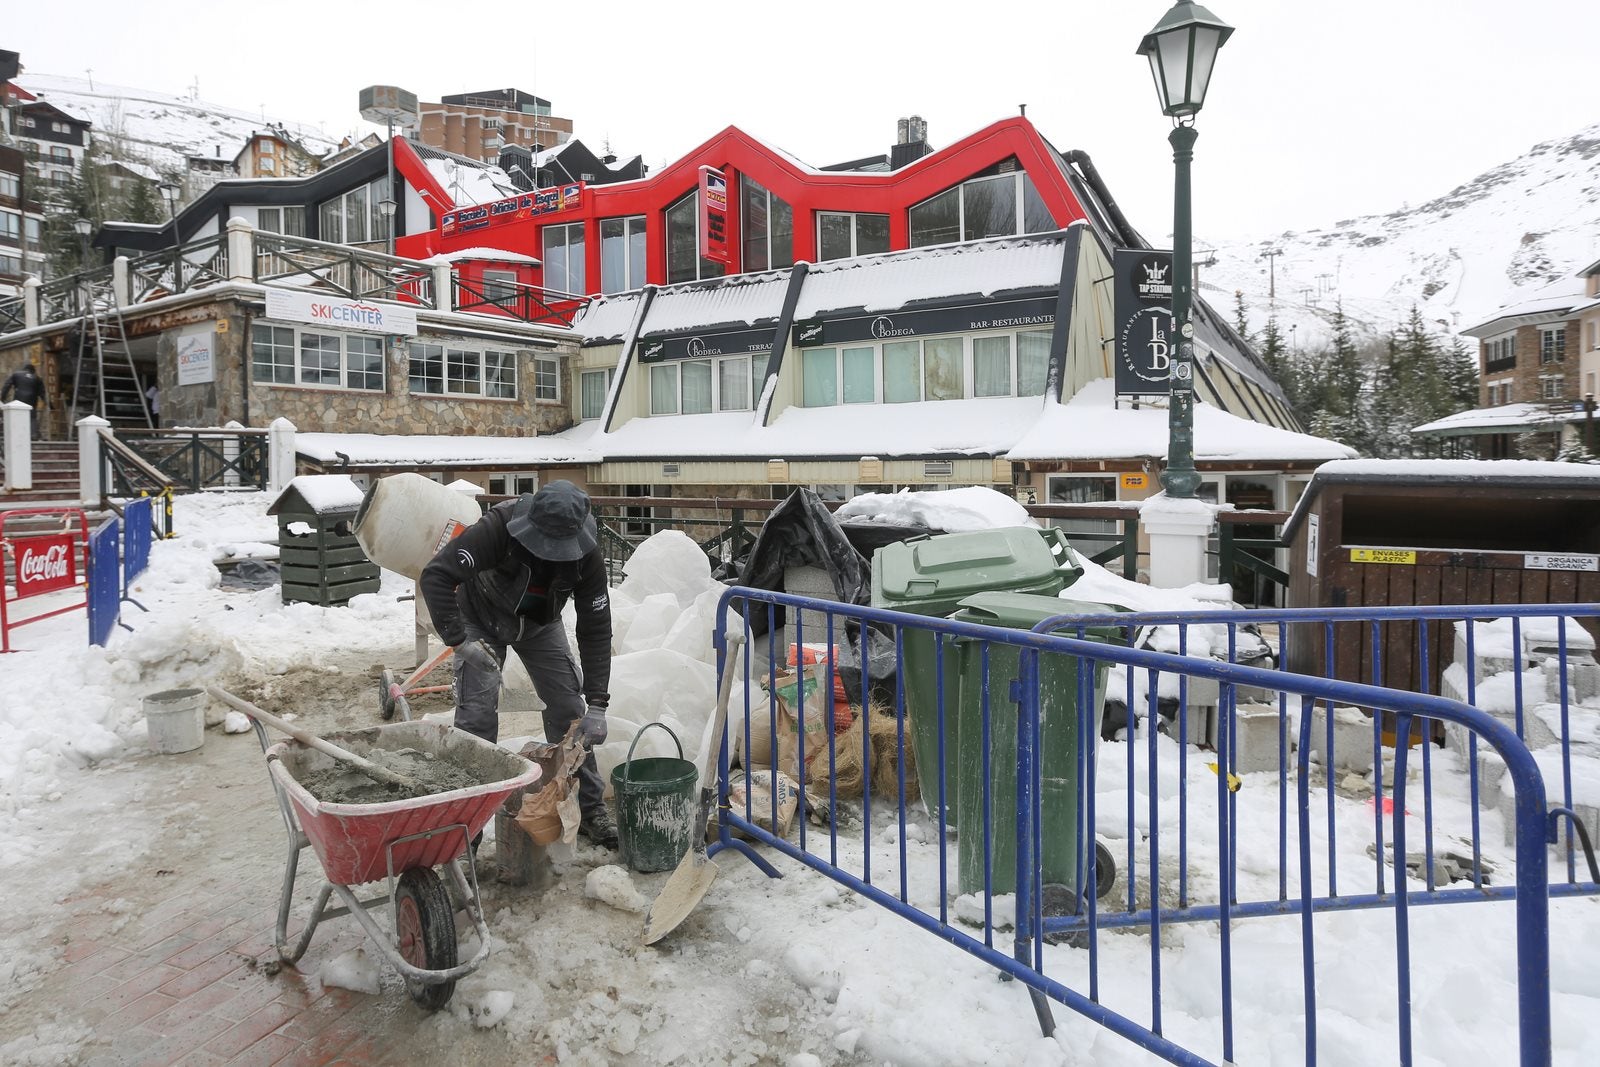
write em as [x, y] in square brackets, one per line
[1182, 50]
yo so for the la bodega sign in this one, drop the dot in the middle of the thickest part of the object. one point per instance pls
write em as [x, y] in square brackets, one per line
[1144, 321]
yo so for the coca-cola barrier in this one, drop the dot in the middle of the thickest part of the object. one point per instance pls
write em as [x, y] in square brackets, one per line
[40, 563]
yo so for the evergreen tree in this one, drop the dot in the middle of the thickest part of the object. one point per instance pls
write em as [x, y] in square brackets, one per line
[1241, 322]
[1277, 359]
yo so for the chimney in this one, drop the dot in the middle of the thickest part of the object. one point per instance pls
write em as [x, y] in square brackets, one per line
[900, 132]
[913, 142]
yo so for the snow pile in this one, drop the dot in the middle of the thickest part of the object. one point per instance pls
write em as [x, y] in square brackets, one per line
[489, 1009]
[976, 507]
[612, 885]
[352, 970]
[326, 492]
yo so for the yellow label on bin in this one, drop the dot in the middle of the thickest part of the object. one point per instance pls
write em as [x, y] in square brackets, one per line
[1383, 555]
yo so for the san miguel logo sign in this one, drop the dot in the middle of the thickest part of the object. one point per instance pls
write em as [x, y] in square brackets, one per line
[45, 564]
[1144, 322]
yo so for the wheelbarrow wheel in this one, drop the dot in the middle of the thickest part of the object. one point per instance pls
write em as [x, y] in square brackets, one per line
[385, 701]
[426, 930]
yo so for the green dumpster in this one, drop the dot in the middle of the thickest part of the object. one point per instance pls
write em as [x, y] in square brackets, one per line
[1058, 740]
[932, 576]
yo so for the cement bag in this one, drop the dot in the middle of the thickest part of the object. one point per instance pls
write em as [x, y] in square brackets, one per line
[759, 787]
[551, 813]
[405, 519]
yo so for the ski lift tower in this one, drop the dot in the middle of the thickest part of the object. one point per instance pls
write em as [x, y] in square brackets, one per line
[391, 106]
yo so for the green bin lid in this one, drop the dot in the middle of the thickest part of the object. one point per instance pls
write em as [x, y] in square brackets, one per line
[947, 568]
[1024, 611]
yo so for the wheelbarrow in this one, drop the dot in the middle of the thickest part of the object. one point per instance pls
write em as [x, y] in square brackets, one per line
[394, 695]
[399, 843]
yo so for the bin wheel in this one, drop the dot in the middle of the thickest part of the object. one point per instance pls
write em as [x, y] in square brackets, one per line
[1105, 870]
[385, 701]
[425, 928]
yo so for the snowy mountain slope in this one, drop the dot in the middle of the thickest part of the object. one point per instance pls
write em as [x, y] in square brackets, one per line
[160, 129]
[1524, 227]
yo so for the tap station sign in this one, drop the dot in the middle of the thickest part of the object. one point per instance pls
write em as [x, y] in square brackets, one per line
[45, 564]
[1144, 321]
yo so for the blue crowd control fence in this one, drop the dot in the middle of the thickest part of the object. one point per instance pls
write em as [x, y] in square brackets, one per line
[1178, 810]
[105, 585]
[139, 527]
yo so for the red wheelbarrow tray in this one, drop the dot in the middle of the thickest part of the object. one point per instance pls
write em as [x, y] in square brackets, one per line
[352, 840]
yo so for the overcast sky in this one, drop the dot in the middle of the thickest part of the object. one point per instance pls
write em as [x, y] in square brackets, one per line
[1317, 112]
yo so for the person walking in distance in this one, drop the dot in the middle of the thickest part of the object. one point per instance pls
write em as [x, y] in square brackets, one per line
[502, 584]
[26, 385]
[152, 399]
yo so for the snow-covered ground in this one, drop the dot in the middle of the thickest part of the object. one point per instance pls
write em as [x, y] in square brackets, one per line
[796, 971]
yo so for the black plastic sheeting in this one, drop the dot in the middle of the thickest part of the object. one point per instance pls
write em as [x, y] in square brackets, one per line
[250, 574]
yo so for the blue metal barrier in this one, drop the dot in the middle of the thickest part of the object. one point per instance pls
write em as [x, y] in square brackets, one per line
[105, 587]
[1207, 888]
[138, 525]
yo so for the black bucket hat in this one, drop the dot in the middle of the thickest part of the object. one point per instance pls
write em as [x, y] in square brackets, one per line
[554, 523]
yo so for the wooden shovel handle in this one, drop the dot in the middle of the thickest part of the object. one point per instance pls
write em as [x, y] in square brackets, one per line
[306, 737]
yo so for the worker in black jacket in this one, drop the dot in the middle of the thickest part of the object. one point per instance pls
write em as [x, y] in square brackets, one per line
[26, 385]
[503, 583]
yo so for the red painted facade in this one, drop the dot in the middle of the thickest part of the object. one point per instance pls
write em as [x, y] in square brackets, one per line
[737, 154]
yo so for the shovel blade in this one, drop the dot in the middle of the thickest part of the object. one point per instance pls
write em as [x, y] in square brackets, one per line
[680, 896]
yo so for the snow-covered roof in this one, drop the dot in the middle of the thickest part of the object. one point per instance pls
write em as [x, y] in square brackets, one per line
[605, 319]
[973, 507]
[1089, 427]
[322, 493]
[437, 450]
[741, 300]
[1557, 299]
[892, 280]
[1510, 417]
[499, 255]
[467, 181]
[947, 427]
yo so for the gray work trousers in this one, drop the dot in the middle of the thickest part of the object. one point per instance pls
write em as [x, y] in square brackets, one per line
[547, 656]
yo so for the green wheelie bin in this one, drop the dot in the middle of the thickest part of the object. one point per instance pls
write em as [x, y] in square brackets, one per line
[1057, 754]
[932, 576]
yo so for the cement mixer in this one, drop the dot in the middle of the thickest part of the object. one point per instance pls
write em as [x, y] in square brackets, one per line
[403, 521]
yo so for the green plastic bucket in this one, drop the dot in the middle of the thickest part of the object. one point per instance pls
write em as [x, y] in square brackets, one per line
[657, 799]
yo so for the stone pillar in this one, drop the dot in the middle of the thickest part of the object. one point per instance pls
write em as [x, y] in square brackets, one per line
[280, 454]
[230, 453]
[241, 251]
[91, 486]
[121, 281]
[1178, 530]
[444, 287]
[19, 445]
[30, 302]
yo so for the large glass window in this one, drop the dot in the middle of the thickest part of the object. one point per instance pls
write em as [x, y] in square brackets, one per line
[819, 369]
[1553, 345]
[1033, 362]
[11, 227]
[902, 372]
[283, 355]
[766, 227]
[1086, 535]
[593, 386]
[860, 366]
[664, 389]
[622, 254]
[684, 262]
[733, 384]
[286, 220]
[696, 386]
[842, 234]
[563, 258]
[440, 370]
[936, 368]
[990, 205]
[991, 366]
[941, 368]
[353, 217]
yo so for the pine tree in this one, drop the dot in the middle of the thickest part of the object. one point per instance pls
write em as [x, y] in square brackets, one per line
[1277, 359]
[1241, 321]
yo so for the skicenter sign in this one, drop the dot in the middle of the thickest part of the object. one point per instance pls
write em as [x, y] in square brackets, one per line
[320, 309]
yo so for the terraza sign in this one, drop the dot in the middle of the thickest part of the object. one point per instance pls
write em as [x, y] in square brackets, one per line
[1033, 313]
[45, 564]
[665, 347]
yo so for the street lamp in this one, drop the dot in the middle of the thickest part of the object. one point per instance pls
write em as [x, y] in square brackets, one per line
[386, 208]
[83, 227]
[1182, 50]
[169, 194]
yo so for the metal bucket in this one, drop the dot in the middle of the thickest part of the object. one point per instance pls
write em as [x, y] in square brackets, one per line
[176, 720]
[657, 798]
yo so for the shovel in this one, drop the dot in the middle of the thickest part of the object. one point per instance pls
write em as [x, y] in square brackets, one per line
[695, 872]
[306, 737]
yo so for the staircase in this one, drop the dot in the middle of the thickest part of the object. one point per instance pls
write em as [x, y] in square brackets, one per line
[104, 381]
[55, 476]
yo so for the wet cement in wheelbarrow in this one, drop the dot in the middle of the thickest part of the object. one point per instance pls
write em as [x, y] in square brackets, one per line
[340, 784]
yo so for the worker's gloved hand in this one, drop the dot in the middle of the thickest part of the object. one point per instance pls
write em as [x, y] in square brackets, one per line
[478, 655]
[593, 726]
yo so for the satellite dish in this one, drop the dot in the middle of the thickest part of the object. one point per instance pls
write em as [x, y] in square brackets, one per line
[388, 105]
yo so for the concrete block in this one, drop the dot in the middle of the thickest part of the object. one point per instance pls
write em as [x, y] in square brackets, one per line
[1198, 725]
[1257, 733]
[1352, 738]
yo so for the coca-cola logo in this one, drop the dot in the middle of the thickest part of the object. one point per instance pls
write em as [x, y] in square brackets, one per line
[50, 565]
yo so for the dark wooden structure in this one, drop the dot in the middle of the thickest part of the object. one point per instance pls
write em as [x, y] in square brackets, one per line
[1372, 533]
[318, 555]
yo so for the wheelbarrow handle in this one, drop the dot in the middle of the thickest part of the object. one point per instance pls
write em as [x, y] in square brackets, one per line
[306, 737]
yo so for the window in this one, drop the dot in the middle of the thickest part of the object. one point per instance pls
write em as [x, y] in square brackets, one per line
[563, 258]
[436, 369]
[1553, 345]
[513, 484]
[699, 386]
[266, 166]
[1594, 333]
[593, 385]
[841, 234]
[767, 227]
[1500, 354]
[10, 227]
[26, 122]
[1550, 386]
[10, 264]
[499, 286]
[286, 220]
[622, 254]
[819, 377]
[991, 366]
[860, 375]
[546, 378]
[10, 186]
[264, 147]
[1064, 489]
[60, 155]
[902, 370]
[1033, 362]
[60, 127]
[353, 217]
[994, 205]
[933, 369]
[684, 262]
[283, 355]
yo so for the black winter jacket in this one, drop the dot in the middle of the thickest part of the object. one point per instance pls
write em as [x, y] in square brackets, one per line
[23, 386]
[510, 590]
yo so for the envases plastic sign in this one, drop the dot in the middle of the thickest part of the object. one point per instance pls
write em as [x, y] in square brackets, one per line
[45, 564]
